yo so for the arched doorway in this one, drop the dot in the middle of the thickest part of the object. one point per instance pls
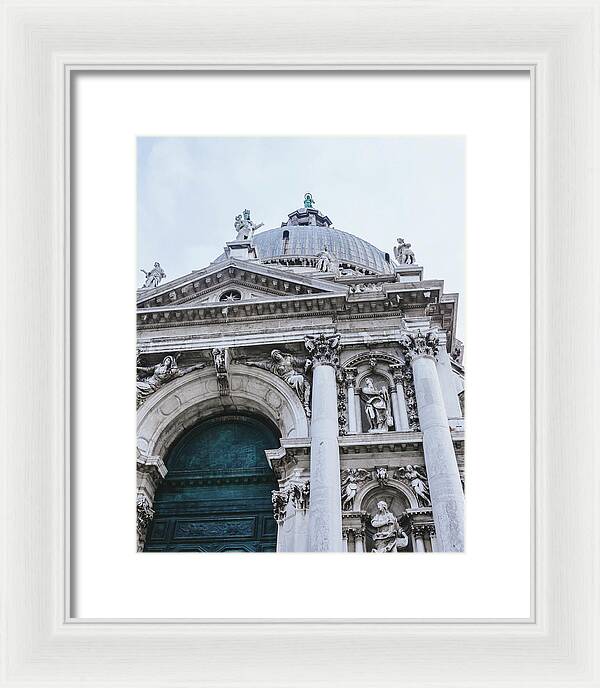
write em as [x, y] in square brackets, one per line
[216, 496]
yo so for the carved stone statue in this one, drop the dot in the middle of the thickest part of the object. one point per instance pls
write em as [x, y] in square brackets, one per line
[291, 369]
[279, 500]
[351, 479]
[377, 406]
[145, 514]
[244, 226]
[403, 253]
[153, 277]
[325, 261]
[388, 537]
[308, 200]
[413, 476]
[381, 475]
[151, 379]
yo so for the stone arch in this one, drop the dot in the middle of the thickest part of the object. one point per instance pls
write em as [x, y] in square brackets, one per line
[364, 357]
[368, 490]
[165, 415]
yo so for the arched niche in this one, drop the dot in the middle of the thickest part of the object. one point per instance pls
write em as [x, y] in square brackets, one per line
[380, 380]
[182, 403]
[397, 496]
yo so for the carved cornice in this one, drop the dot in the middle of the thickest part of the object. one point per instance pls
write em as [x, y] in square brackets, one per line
[324, 349]
[417, 345]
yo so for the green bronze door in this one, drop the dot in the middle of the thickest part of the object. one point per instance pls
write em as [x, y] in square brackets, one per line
[216, 496]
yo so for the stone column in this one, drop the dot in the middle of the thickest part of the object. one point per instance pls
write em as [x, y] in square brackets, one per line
[432, 538]
[325, 512]
[150, 472]
[401, 419]
[445, 488]
[359, 544]
[350, 382]
[419, 532]
[447, 383]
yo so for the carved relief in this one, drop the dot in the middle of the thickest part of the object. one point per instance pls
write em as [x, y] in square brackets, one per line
[291, 369]
[410, 397]
[419, 344]
[220, 360]
[323, 349]
[417, 479]
[351, 479]
[145, 513]
[297, 492]
[381, 475]
[151, 379]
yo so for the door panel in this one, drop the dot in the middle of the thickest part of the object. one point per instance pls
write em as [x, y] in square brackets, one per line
[216, 496]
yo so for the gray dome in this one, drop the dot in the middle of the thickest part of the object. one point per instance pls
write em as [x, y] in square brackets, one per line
[309, 240]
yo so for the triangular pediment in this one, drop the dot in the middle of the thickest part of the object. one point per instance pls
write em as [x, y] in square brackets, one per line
[234, 280]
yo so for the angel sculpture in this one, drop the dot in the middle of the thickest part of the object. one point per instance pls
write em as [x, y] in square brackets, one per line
[152, 378]
[291, 369]
[350, 483]
[418, 483]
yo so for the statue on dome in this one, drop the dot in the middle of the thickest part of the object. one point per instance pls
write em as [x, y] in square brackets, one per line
[244, 226]
[389, 536]
[403, 253]
[325, 261]
[153, 277]
[377, 406]
[309, 201]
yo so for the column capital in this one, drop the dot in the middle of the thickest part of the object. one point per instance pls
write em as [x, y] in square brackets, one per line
[418, 345]
[324, 349]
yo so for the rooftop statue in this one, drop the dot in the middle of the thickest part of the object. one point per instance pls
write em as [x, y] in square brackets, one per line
[309, 201]
[244, 226]
[153, 277]
[325, 261]
[403, 254]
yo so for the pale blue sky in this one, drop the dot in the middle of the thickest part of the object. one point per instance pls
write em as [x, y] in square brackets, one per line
[191, 189]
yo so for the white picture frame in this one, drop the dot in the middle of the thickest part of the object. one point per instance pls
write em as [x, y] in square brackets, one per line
[44, 44]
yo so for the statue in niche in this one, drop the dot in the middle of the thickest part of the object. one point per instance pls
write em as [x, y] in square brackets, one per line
[325, 261]
[291, 369]
[350, 481]
[152, 378]
[388, 536]
[413, 476]
[153, 277]
[403, 253]
[244, 226]
[377, 406]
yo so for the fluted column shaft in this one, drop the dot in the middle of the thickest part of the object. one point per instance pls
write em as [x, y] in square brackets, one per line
[445, 488]
[325, 512]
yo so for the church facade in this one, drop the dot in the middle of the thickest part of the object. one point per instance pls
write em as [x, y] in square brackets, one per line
[302, 393]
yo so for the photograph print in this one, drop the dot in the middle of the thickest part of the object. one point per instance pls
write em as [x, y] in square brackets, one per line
[300, 377]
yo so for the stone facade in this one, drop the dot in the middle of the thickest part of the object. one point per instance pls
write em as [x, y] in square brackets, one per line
[349, 353]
